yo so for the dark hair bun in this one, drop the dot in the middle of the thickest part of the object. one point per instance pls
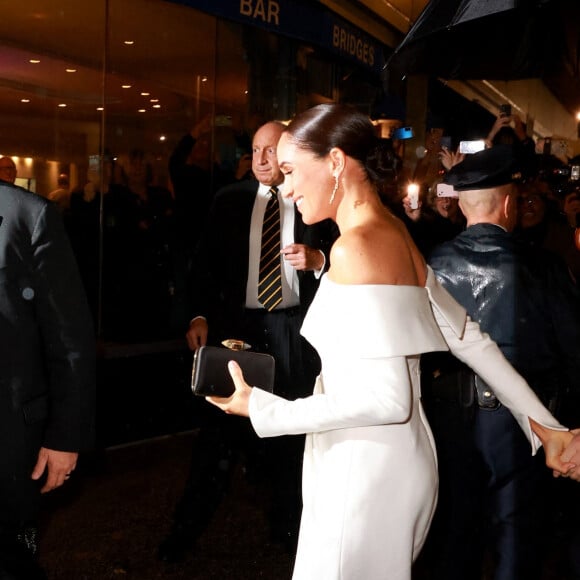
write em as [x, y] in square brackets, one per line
[382, 163]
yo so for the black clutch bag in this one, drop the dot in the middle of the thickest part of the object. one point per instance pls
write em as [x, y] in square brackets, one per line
[210, 375]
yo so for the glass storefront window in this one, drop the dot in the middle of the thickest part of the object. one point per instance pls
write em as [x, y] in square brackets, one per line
[130, 114]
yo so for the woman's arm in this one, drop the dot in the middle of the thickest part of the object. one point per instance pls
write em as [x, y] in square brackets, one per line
[381, 395]
[478, 351]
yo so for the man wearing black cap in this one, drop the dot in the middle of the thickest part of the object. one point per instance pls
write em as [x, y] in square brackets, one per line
[490, 485]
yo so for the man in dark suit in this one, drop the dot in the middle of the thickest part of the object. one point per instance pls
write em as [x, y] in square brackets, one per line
[46, 370]
[226, 305]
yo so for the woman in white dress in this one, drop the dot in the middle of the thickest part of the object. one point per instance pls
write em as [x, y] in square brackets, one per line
[370, 472]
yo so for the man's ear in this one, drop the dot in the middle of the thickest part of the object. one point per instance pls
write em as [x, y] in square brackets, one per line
[510, 206]
[510, 210]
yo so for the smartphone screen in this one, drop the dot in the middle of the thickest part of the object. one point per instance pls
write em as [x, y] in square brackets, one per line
[445, 190]
[403, 133]
[505, 110]
[471, 146]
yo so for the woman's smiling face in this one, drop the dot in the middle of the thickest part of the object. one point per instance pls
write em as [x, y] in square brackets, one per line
[307, 180]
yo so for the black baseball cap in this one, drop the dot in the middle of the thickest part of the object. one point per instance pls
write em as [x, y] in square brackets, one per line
[492, 167]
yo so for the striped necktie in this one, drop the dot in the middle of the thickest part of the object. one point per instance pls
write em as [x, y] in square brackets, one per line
[269, 278]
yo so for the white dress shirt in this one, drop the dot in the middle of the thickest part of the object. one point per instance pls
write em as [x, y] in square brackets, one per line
[290, 292]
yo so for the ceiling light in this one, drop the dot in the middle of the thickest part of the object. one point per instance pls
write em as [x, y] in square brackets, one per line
[62, 105]
[71, 70]
[25, 100]
[128, 42]
[142, 111]
[162, 138]
[125, 86]
[578, 116]
[33, 61]
[203, 79]
[157, 106]
[153, 100]
[100, 108]
[145, 94]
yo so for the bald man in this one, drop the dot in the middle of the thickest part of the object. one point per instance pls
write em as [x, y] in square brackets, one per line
[7, 170]
[225, 305]
[491, 494]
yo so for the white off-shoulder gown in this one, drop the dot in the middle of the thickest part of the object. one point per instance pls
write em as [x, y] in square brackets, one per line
[370, 472]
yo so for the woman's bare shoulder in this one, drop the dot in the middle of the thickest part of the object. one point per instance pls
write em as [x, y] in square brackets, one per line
[376, 253]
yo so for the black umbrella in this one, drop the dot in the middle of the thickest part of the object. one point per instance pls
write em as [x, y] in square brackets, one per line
[475, 39]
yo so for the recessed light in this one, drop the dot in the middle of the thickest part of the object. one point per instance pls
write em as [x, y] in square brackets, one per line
[203, 79]
[142, 111]
[153, 100]
[157, 106]
[125, 86]
[145, 94]
[33, 61]
[25, 100]
[100, 108]
[128, 42]
[71, 70]
[162, 138]
[62, 105]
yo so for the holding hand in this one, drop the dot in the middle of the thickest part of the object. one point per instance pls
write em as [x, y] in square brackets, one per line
[413, 214]
[572, 454]
[238, 403]
[555, 443]
[500, 122]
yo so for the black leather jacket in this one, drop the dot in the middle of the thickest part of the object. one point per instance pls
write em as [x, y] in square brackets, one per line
[522, 297]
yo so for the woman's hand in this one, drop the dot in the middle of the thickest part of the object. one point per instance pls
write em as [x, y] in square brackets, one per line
[238, 403]
[554, 442]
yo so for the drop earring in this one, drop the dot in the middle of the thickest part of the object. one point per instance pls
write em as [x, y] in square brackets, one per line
[335, 189]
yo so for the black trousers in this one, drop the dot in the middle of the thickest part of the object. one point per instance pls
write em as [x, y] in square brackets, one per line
[18, 559]
[490, 496]
[223, 439]
[19, 495]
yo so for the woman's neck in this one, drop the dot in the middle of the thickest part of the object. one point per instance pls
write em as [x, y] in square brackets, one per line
[358, 204]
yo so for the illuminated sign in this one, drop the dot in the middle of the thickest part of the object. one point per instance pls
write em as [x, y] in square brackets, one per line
[303, 20]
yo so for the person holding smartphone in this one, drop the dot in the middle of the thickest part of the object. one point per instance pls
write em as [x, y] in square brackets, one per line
[509, 129]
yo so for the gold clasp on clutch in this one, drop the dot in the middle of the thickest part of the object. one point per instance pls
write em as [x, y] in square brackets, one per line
[234, 344]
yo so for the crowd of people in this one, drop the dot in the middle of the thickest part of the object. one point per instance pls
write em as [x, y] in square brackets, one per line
[426, 350]
[511, 258]
[549, 218]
